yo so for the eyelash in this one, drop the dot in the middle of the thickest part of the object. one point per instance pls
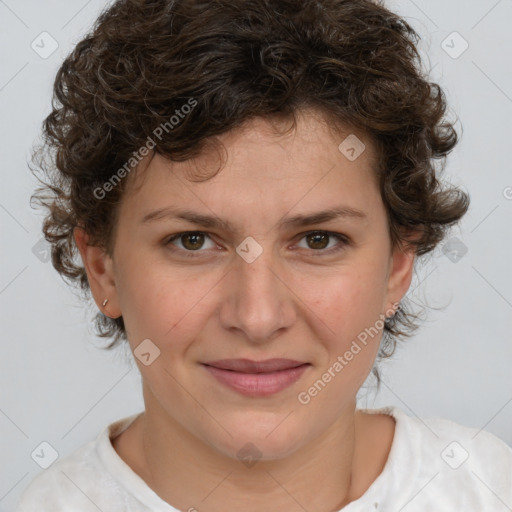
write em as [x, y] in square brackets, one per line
[192, 254]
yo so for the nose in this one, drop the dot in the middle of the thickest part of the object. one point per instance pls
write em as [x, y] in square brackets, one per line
[258, 300]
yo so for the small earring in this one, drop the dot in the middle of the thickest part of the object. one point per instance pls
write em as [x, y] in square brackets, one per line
[104, 303]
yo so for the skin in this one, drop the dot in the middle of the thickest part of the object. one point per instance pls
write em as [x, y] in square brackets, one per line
[293, 301]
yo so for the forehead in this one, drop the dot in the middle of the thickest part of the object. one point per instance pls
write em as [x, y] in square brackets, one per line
[265, 167]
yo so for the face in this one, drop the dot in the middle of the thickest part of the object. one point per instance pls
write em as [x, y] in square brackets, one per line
[257, 285]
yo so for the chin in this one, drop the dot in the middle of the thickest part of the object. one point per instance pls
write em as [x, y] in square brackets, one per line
[262, 440]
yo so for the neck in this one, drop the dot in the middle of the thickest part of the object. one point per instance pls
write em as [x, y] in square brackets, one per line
[188, 474]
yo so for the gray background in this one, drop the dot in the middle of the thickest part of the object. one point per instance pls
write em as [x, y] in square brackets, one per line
[57, 387]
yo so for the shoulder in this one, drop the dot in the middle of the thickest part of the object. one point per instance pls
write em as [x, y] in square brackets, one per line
[447, 466]
[469, 460]
[61, 485]
[458, 443]
[78, 481]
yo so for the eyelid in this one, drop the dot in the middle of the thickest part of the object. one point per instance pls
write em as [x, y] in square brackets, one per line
[177, 236]
[343, 239]
[343, 242]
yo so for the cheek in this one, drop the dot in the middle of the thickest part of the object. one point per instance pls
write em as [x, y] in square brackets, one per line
[157, 304]
[167, 306]
[351, 307]
[351, 302]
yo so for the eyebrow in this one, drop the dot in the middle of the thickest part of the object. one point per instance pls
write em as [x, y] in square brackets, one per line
[210, 221]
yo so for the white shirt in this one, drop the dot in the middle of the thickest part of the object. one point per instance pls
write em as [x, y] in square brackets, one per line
[434, 465]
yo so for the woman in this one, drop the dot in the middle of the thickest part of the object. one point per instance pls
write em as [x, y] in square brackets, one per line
[249, 186]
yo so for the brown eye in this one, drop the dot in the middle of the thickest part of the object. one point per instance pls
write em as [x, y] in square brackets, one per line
[320, 242]
[190, 241]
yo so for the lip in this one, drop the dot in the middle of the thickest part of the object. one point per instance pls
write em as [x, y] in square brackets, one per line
[256, 378]
[251, 366]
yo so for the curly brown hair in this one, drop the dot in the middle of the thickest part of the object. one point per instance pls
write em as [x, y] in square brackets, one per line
[353, 61]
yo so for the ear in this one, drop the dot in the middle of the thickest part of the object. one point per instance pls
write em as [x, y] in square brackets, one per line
[400, 272]
[100, 274]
